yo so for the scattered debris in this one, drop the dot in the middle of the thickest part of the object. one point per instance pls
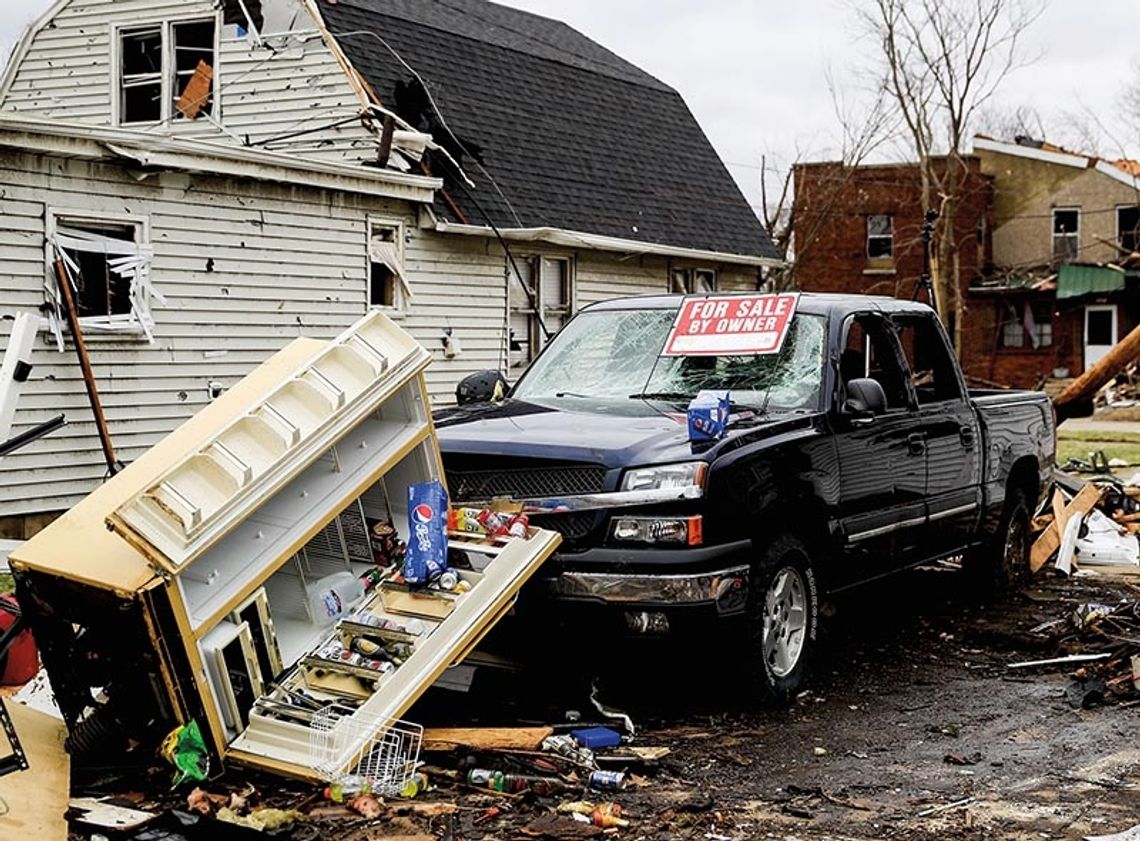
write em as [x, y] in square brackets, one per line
[963, 759]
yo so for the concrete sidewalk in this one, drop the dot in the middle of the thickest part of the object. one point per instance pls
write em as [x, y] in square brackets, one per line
[1095, 424]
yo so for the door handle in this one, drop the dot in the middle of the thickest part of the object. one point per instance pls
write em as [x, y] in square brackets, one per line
[916, 443]
[966, 433]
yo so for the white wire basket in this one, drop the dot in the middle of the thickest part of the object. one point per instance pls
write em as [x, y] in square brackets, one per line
[356, 748]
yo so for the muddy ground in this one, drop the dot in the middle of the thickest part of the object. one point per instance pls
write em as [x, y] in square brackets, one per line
[908, 672]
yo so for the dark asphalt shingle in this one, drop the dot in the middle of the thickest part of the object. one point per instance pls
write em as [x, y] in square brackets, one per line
[575, 137]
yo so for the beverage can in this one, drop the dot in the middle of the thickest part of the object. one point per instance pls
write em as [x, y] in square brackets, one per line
[426, 556]
[483, 778]
[448, 580]
[607, 780]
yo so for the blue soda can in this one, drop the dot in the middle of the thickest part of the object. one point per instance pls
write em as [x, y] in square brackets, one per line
[607, 780]
[426, 557]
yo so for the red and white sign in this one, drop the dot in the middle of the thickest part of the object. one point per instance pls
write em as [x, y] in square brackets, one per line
[731, 325]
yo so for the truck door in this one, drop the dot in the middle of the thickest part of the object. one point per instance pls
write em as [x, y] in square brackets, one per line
[882, 465]
[949, 427]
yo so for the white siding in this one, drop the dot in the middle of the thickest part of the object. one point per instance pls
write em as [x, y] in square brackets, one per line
[297, 86]
[245, 267]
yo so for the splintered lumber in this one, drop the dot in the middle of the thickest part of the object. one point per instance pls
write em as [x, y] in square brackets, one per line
[1050, 540]
[485, 738]
[1087, 384]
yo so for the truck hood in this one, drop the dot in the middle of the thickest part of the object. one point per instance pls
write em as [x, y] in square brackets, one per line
[616, 437]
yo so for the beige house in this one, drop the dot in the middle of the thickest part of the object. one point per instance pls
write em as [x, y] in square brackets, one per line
[1065, 228]
[223, 176]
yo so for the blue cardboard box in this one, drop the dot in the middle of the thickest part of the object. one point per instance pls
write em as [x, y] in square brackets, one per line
[708, 415]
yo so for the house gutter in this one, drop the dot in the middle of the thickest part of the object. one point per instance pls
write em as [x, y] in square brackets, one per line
[596, 242]
[94, 143]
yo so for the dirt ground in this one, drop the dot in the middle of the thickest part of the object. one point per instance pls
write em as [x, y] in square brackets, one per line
[909, 672]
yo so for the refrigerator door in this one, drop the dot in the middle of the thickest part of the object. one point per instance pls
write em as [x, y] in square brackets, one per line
[207, 493]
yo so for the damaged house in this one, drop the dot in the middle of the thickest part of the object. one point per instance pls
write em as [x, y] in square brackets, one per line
[1047, 243]
[218, 177]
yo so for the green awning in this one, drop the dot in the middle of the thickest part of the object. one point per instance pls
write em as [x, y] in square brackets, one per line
[1074, 280]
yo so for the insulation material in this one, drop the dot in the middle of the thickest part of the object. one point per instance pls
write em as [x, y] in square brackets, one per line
[1104, 545]
[126, 259]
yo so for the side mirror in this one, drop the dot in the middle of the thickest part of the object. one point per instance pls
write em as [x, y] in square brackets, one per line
[865, 399]
[481, 387]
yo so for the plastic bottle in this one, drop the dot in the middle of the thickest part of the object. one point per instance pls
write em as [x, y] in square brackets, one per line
[334, 596]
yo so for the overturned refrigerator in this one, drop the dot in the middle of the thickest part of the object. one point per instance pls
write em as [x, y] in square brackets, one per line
[183, 588]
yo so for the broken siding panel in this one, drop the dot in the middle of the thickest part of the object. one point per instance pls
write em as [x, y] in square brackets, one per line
[265, 92]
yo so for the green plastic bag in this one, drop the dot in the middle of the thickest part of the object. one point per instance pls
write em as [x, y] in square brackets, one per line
[185, 749]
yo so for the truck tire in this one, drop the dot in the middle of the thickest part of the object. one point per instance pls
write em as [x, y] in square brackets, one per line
[1001, 564]
[783, 617]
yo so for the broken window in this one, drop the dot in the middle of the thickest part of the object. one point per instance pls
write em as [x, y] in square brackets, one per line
[541, 294]
[1128, 227]
[166, 71]
[933, 370]
[693, 281]
[1066, 233]
[880, 236]
[387, 283]
[108, 264]
[193, 67]
[140, 87]
[869, 351]
[1026, 324]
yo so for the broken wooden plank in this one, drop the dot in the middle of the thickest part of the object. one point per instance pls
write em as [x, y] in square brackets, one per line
[1050, 540]
[196, 94]
[485, 738]
[1059, 661]
[1087, 384]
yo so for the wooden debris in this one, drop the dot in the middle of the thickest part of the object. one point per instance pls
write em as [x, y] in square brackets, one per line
[197, 92]
[485, 738]
[1087, 384]
[1050, 540]
[1059, 661]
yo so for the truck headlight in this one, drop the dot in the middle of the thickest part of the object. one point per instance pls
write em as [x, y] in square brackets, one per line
[666, 476]
[681, 531]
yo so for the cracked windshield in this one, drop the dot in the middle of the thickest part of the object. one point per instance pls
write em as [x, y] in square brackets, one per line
[608, 356]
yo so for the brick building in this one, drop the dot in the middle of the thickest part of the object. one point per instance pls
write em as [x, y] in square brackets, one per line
[1044, 238]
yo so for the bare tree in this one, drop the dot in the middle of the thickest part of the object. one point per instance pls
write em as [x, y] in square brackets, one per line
[941, 61]
[862, 130]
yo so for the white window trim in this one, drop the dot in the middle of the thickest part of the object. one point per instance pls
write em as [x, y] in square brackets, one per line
[139, 322]
[527, 307]
[1053, 229]
[403, 290]
[868, 236]
[167, 26]
[1118, 240]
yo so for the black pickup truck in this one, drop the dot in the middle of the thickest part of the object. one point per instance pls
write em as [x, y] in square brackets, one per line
[853, 452]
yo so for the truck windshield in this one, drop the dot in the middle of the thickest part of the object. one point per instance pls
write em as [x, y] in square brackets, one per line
[612, 355]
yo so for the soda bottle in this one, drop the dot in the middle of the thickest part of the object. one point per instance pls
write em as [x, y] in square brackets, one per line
[483, 778]
[416, 784]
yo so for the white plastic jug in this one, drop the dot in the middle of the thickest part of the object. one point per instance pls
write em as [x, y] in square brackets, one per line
[334, 596]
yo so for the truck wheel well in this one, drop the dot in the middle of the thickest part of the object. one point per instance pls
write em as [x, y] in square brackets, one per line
[1023, 477]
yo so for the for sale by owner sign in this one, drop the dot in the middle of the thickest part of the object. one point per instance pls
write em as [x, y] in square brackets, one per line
[731, 325]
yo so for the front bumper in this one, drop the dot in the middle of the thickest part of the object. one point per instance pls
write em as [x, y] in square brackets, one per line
[721, 579]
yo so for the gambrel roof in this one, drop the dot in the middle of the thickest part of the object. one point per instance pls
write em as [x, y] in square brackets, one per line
[574, 137]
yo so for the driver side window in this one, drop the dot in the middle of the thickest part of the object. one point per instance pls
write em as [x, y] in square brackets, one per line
[869, 351]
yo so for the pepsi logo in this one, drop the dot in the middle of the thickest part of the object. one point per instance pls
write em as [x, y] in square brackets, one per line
[423, 513]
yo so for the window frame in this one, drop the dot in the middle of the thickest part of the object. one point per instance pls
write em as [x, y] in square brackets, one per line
[900, 321]
[688, 277]
[1119, 239]
[520, 304]
[400, 295]
[135, 324]
[1026, 345]
[168, 112]
[884, 330]
[890, 217]
[1054, 256]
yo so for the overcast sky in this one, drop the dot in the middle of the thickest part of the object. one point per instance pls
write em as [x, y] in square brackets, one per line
[754, 72]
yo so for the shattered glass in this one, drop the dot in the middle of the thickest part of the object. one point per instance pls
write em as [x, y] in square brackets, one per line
[615, 354]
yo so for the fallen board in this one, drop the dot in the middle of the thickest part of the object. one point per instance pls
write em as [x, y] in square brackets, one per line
[37, 798]
[486, 738]
[1050, 540]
